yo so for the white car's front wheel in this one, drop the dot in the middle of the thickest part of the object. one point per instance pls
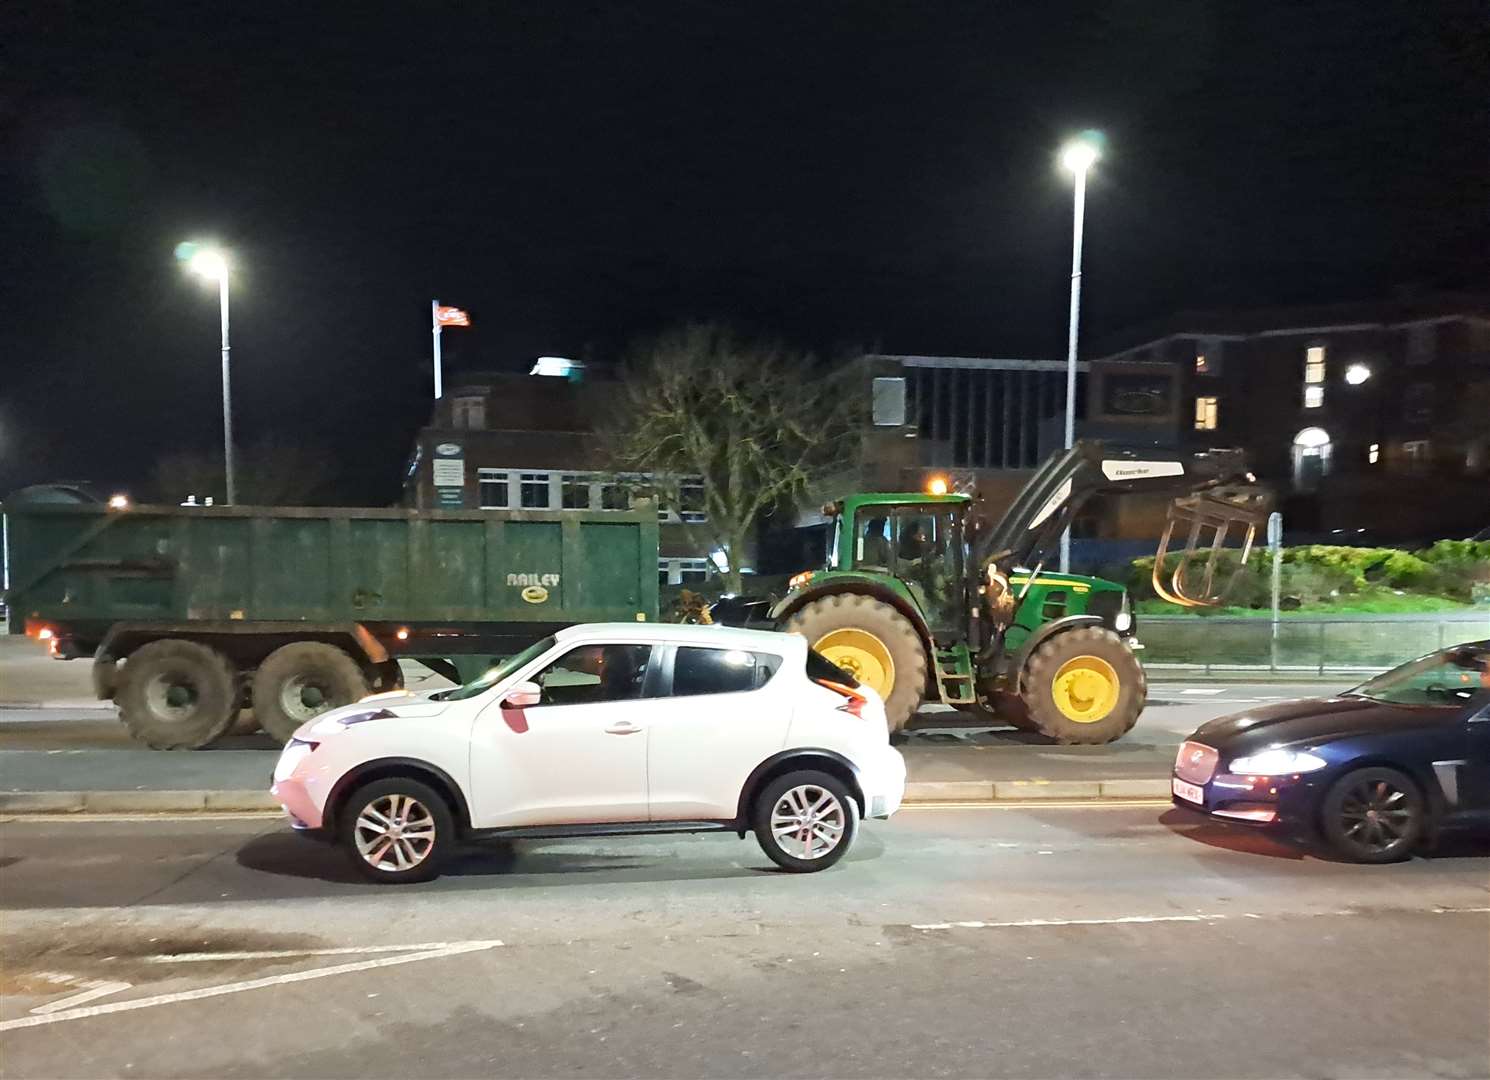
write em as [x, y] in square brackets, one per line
[805, 821]
[397, 830]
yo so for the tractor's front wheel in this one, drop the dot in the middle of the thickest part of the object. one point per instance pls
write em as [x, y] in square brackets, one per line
[1083, 686]
[873, 642]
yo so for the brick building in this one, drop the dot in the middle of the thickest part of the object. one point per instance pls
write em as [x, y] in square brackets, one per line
[500, 441]
[1363, 417]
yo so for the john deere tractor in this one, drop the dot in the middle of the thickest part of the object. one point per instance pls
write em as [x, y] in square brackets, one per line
[920, 603]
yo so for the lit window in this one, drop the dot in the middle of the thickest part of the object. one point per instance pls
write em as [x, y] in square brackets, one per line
[496, 493]
[1373, 453]
[1201, 366]
[575, 488]
[1314, 365]
[1206, 409]
[535, 491]
[1313, 397]
[468, 413]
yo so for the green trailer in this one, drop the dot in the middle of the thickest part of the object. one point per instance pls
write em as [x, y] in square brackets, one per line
[192, 614]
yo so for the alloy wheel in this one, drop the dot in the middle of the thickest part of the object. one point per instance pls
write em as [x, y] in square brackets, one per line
[807, 821]
[1376, 815]
[394, 832]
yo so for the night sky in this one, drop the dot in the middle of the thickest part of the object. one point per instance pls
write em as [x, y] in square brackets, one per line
[576, 175]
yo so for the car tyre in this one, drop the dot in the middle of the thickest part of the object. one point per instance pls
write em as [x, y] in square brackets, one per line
[396, 830]
[1374, 815]
[805, 821]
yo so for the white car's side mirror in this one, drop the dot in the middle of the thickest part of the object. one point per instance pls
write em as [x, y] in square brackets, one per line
[522, 695]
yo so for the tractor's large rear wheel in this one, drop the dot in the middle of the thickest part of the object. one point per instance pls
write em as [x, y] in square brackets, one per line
[874, 643]
[1084, 686]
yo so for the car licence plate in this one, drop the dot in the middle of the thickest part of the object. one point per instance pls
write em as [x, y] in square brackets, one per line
[1189, 792]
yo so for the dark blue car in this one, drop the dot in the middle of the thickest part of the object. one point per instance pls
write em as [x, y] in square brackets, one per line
[1371, 773]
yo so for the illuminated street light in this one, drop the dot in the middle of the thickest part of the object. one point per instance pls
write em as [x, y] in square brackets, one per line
[211, 264]
[1357, 374]
[1077, 157]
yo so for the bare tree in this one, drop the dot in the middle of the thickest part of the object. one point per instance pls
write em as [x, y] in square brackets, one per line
[757, 422]
[269, 473]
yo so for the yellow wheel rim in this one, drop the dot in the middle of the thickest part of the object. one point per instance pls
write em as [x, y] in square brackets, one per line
[862, 655]
[1085, 689]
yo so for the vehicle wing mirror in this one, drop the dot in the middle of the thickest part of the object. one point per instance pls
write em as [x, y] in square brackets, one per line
[522, 695]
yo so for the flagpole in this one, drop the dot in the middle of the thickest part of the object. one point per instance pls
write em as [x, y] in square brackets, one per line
[434, 320]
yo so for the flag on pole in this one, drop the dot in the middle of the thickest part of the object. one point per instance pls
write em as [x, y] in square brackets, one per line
[451, 316]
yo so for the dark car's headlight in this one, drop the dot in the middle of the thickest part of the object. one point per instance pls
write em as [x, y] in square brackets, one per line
[1277, 763]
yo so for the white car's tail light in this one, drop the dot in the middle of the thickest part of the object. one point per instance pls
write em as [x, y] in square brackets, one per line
[854, 701]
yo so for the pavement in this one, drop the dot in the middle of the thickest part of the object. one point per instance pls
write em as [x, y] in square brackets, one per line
[998, 941]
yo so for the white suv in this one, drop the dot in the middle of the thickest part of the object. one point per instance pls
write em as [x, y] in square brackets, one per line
[603, 729]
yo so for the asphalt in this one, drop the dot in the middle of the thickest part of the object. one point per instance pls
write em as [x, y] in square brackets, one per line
[89, 750]
[53, 742]
[1127, 941]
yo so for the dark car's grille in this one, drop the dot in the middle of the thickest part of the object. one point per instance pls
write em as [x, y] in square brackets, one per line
[1195, 763]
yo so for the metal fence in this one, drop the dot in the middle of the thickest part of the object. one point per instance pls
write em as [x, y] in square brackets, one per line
[1357, 645]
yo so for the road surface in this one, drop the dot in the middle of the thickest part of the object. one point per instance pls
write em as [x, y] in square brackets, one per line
[1022, 941]
[89, 750]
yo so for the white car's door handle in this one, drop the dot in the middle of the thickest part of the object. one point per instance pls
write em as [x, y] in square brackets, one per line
[623, 727]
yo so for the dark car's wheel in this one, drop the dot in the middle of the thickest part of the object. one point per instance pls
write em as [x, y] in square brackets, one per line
[397, 830]
[1374, 815]
[805, 821]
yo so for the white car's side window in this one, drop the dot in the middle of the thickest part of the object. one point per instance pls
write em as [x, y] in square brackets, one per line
[592, 674]
[720, 671]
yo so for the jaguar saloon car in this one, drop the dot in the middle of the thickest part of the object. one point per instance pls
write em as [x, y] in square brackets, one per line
[603, 729]
[1370, 774]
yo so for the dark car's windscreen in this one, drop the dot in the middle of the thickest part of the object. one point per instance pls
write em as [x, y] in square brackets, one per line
[1452, 677]
[820, 667]
[496, 674]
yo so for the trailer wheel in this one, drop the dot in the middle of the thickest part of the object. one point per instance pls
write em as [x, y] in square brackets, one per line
[300, 681]
[1084, 686]
[177, 695]
[872, 642]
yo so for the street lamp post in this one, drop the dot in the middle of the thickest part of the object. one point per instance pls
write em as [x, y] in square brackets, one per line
[213, 266]
[1078, 157]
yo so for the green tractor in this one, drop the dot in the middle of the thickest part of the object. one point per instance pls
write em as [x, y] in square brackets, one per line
[920, 602]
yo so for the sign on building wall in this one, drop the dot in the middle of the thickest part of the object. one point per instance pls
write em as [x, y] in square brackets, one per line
[448, 468]
[1126, 394]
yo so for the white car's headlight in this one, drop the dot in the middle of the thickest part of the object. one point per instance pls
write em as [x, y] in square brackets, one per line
[290, 757]
[1277, 762]
[335, 725]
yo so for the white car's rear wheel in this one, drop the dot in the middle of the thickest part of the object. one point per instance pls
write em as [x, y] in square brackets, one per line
[805, 821]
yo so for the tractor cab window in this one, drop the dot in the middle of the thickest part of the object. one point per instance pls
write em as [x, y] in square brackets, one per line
[875, 543]
[928, 558]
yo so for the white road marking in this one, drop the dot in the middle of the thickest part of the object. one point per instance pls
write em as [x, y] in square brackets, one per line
[1065, 922]
[94, 989]
[1206, 693]
[282, 954]
[1105, 803]
[1201, 918]
[455, 949]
